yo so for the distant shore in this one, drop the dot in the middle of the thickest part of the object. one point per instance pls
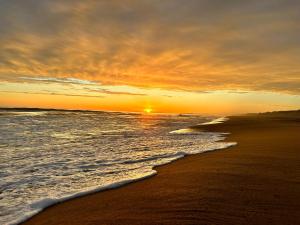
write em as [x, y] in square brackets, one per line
[255, 182]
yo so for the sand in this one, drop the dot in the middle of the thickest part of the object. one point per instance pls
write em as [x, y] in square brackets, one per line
[254, 182]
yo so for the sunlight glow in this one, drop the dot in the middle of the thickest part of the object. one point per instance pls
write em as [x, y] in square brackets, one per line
[148, 109]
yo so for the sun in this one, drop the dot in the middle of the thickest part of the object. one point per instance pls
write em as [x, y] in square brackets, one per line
[148, 110]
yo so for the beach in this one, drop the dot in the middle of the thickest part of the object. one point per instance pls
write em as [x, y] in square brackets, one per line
[255, 182]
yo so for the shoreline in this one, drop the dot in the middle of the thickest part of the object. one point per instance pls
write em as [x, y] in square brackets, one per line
[107, 204]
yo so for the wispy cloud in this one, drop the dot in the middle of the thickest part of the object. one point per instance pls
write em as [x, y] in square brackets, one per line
[77, 85]
[58, 80]
[109, 92]
[54, 93]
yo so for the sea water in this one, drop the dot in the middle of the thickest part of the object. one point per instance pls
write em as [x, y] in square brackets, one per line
[50, 156]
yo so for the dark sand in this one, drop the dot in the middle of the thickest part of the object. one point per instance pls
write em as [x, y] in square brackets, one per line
[255, 182]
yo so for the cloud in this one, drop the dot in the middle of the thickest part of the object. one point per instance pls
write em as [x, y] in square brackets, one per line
[54, 93]
[58, 80]
[109, 92]
[77, 85]
[173, 44]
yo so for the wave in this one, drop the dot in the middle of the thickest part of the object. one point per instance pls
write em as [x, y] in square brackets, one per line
[196, 131]
[41, 205]
[215, 121]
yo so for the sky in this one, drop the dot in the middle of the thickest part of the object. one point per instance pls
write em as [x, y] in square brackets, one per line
[173, 56]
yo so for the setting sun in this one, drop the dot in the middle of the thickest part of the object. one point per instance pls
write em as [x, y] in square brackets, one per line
[148, 110]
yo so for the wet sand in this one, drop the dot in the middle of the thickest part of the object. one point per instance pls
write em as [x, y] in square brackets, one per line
[254, 182]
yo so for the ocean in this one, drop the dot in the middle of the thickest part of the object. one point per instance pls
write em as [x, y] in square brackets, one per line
[50, 156]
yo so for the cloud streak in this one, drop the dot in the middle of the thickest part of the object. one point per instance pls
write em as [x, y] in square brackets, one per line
[58, 80]
[172, 44]
[105, 91]
[77, 85]
[53, 93]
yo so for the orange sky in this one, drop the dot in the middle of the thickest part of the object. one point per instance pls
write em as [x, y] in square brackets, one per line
[211, 57]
